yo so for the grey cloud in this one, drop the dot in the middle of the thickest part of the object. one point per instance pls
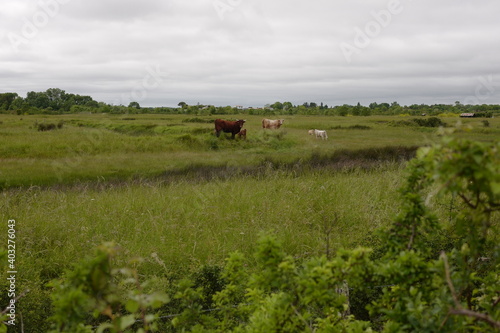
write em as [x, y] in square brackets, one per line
[256, 52]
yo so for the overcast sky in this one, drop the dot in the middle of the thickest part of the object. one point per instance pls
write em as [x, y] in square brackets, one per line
[254, 52]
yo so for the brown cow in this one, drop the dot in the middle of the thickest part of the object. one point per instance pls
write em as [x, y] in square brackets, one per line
[233, 127]
[243, 134]
[272, 124]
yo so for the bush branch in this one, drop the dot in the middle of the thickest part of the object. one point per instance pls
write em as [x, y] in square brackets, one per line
[459, 310]
[480, 316]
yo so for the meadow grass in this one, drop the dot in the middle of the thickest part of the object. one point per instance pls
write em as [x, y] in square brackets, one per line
[187, 223]
[108, 147]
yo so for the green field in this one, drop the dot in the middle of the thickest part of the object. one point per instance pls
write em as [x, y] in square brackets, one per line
[164, 188]
[117, 147]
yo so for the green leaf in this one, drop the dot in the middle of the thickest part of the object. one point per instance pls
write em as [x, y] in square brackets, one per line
[422, 152]
[132, 305]
[126, 321]
[495, 187]
[104, 327]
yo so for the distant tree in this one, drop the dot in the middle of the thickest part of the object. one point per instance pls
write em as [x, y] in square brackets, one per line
[356, 111]
[384, 106]
[343, 110]
[6, 100]
[287, 105]
[366, 111]
[277, 106]
[182, 105]
[302, 109]
[56, 97]
[134, 105]
[37, 99]
[18, 104]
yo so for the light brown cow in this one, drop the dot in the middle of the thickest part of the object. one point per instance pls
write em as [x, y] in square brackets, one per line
[242, 134]
[272, 124]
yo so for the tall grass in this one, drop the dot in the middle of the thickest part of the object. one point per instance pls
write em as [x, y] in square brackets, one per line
[188, 222]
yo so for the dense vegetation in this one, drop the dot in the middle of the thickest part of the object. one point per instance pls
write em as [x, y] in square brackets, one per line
[57, 101]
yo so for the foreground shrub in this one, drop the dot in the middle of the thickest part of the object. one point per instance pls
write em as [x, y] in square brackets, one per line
[94, 290]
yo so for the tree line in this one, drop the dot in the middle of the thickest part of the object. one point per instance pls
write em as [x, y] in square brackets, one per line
[58, 101]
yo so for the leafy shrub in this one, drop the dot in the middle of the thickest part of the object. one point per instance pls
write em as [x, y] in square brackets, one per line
[429, 122]
[42, 127]
[209, 279]
[94, 291]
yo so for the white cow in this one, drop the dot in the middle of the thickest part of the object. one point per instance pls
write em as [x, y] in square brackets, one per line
[318, 134]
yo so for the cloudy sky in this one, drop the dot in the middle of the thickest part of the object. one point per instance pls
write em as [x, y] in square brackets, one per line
[254, 52]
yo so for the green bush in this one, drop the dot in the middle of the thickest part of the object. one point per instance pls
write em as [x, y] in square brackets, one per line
[429, 122]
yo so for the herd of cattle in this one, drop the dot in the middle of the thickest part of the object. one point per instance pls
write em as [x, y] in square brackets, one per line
[236, 127]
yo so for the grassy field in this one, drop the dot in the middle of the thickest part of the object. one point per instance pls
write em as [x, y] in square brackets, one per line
[110, 147]
[166, 189]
